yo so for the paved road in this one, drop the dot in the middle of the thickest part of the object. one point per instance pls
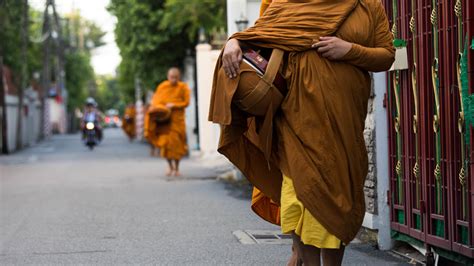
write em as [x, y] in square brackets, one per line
[63, 204]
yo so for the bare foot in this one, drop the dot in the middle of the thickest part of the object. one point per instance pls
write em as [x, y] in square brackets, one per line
[170, 172]
[177, 173]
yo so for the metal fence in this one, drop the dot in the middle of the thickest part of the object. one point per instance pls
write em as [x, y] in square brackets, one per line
[429, 117]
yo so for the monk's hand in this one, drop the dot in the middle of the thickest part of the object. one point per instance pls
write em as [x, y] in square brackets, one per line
[231, 58]
[332, 48]
[170, 105]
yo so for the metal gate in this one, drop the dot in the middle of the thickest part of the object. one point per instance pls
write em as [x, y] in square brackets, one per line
[431, 141]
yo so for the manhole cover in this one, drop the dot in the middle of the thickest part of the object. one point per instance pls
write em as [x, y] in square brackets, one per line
[262, 237]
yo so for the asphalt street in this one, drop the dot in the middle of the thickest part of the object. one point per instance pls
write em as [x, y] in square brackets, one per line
[63, 204]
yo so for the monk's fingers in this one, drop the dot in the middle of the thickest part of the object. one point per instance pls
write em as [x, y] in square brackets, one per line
[226, 70]
[327, 38]
[227, 65]
[324, 49]
[235, 65]
[232, 71]
[322, 44]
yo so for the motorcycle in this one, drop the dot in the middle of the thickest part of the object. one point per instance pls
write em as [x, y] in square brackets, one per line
[90, 132]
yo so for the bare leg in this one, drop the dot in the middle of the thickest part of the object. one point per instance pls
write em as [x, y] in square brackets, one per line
[294, 259]
[171, 168]
[176, 168]
[333, 257]
[152, 150]
[311, 256]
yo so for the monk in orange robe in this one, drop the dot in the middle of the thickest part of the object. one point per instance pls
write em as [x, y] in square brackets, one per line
[148, 129]
[170, 136]
[318, 164]
[128, 121]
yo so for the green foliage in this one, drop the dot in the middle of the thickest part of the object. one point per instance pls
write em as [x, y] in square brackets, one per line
[78, 75]
[108, 95]
[126, 81]
[82, 34]
[80, 37]
[10, 27]
[154, 35]
[192, 15]
[79, 72]
[34, 48]
[146, 49]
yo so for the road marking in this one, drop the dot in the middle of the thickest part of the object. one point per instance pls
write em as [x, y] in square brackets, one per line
[71, 252]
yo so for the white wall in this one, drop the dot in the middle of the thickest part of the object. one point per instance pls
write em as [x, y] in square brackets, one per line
[206, 59]
[188, 77]
[57, 115]
[30, 122]
[12, 117]
[381, 221]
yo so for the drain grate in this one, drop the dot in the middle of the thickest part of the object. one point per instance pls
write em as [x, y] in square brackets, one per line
[274, 237]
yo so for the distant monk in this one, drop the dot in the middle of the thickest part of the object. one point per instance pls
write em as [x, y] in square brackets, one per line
[128, 121]
[167, 128]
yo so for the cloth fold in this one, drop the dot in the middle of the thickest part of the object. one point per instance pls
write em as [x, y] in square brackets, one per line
[318, 131]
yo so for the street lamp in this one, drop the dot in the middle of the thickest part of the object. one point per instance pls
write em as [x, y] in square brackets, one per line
[242, 23]
[202, 35]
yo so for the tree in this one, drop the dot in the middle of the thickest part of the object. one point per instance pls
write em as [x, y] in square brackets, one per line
[154, 35]
[24, 71]
[82, 37]
[108, 95]
[193, 15]
[78, 75]
[10, 24]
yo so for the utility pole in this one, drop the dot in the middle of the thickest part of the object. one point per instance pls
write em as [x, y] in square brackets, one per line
[46, 75]
[138, 109]
[53, 34]
[60, 72]
[24, 73]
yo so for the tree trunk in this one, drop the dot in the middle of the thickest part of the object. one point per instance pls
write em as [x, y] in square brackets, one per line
[4, 109]
[24, 74]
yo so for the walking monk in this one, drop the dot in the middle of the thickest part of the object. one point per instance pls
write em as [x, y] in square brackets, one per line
[318, 161]
[128, 121]
[167, 128]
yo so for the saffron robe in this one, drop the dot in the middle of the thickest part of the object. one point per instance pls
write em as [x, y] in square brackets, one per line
[318, 139]
[129, 128]
[170, 137]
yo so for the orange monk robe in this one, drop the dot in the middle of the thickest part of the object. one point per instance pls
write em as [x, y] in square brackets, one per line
[264, 5]
[146, 122]
[262, 205]
[128, 121]
[320, 143]
[170, 138]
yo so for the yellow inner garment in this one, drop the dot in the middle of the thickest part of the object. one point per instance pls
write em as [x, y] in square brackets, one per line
[295, 217]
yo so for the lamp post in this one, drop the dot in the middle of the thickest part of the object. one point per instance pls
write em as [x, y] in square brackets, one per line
[242, 23]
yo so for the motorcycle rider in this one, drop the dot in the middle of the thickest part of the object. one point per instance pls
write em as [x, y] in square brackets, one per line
[91, 114]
